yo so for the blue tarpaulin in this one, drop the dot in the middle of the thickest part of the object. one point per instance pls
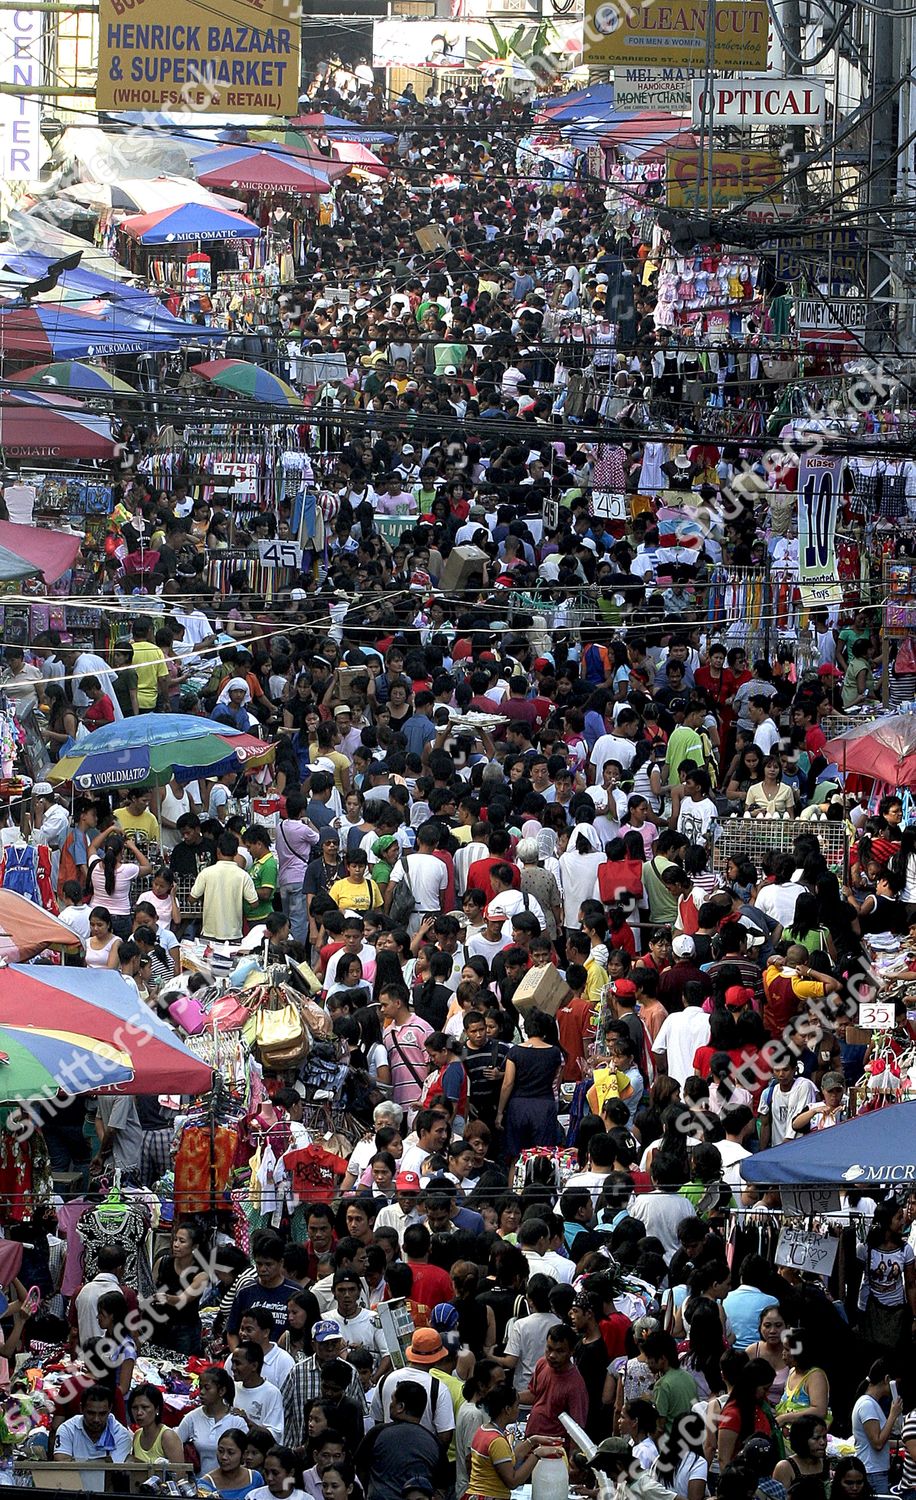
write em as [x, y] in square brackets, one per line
[877, 1148]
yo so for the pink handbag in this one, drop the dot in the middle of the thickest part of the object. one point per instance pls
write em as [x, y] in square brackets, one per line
[227, 1014]
[189, 1014]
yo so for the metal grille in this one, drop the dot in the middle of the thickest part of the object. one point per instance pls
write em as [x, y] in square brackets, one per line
[751, 838]
[837, 724]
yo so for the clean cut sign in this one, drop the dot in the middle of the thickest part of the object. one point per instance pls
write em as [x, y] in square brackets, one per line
[760, 101]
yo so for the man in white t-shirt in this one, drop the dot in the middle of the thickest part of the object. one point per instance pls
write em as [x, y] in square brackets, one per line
[256, 1397]
[427, 876]
[678, 1038]
[619, 747]
[780, 1102]
[778, 899]
[358, 1326]
[766, 732]
[697, 812]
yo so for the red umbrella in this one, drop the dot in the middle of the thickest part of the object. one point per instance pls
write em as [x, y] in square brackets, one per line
[250, 169]
[50, 552]
[884, 749]
[31, 428]
[98, 1005]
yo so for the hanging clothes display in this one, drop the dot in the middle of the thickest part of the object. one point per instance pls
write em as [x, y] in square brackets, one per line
[126, 1225]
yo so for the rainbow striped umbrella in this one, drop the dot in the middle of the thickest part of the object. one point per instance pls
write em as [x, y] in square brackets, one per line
[248, 380]
[73, 375]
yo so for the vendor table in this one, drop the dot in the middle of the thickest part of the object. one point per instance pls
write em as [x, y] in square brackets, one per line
[120, 1479]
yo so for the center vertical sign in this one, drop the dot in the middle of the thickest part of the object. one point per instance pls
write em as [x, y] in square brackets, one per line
[820, 479]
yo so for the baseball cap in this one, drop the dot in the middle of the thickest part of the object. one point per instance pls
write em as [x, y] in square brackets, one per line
[623, 989]
[327, 1328]
[737, 996]
[683, 946]
[826, 669]
[444, 1315]
[425, 1348]
[407, 1182]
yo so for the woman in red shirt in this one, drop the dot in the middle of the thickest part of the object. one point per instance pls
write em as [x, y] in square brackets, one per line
[745, 1413]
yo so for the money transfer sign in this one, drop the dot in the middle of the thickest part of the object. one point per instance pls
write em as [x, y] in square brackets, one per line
[164, 54]
[655, 88]
[660, 34]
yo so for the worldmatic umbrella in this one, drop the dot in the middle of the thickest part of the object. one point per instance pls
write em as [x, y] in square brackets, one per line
[884, 749]
[875, 1148]
[97, 1005]
[187, 224]
[36, 1062]
[154, 747]
[74, 375]
[256, 169]
[247, 380]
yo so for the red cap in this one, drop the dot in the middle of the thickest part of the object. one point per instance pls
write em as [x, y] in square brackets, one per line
[407, 1182]
[826, 670]
[737, 996]
[624, 989]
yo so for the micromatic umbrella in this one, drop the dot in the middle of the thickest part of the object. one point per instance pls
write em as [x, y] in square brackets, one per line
[247, 380]
[875, 1148]
[36, 1062]
[99, 1006]
[884, 749]
[48, 332]
[33, 429]
[154, 747]
[189, 223]
[144, 195]
[73, 374]
[252, 168]
[26, 930]
[339, 129]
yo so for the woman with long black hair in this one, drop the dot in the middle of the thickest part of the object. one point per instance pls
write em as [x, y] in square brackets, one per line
[745, 1412]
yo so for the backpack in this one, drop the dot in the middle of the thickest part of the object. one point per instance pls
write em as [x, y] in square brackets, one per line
[67, 868]
[594, 665]
[403, 902]
[20, 873]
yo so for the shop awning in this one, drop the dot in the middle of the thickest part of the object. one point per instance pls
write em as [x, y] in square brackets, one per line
[188, 224]
[878, 1148]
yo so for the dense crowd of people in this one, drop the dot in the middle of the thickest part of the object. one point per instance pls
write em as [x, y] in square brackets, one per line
[561, 1014]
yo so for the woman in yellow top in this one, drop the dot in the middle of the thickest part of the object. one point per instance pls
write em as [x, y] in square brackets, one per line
[357, 891]
[153, 1440]
[770, 797]
[496, 1468]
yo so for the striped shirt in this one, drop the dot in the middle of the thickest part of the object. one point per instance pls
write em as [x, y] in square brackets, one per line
[405, 1045]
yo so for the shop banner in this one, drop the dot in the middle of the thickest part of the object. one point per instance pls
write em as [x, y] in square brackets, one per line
[755, 175]
[806, 1250]
[820, 481]
[22, 149]
[655, 88]
[675, 35]
[759, 101]
[160, 55]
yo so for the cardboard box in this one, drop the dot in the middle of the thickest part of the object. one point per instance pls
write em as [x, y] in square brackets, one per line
[542, 989]
[460, 565]
[431, 238]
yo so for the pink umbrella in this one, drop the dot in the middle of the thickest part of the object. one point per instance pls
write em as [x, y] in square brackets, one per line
[357, 155]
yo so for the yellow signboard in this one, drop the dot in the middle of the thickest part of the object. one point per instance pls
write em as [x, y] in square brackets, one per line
[240, 58]
[672, 33]
[735, 175]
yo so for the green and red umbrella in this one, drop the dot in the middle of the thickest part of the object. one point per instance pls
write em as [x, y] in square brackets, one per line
[156, 747]
[73, 375]
[245, 379]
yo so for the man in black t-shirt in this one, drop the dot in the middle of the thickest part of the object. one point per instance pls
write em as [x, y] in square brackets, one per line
[485, 1064]
[194, 852]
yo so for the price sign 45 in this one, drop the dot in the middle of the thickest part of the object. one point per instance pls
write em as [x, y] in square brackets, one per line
[280, 554]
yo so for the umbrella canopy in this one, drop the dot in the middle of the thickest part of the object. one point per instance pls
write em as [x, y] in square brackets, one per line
[35, 429]
[339, 129]
[49, 553]
[247, 380]
[144, 195]
[98, 1006]
[357, 156]
[884, 749]
[580, 102]
[48, 332]
[189, 223]
[73, 374]
[26, 930]
[155, 747]
[36, 1063]
[876, 1148]
[255, 169]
